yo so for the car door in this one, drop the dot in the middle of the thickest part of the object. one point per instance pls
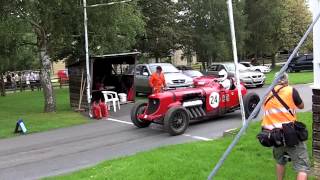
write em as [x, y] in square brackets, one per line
[301, 63]
[309, 62]
[138, 79]
[145, 75]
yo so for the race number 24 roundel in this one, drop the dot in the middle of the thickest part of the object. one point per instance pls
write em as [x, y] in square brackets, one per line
[214, 99]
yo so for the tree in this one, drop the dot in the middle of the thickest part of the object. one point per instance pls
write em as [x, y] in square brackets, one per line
[275, 25]
[15, 52]
[295, 19]
[205, 28]
[58, 31]
[264, 27]
[161, 34]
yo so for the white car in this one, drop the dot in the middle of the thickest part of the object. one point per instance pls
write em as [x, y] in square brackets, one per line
[247, 77]
[263, 69]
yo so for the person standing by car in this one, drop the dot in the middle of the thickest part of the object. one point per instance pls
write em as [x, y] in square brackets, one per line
[280, 112]
[157, 81]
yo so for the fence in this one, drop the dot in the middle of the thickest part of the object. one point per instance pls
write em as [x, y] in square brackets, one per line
[34, 85]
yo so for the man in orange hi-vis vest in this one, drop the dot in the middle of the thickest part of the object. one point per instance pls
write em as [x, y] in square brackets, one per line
[157, 81]
[275, 115]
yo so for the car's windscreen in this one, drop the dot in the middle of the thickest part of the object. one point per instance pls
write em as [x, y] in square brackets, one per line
[192, 73]
[246, 64]
[232, 67]
[166, 68]
[213, 68]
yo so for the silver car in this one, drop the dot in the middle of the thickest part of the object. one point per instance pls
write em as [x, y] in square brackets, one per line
[174, 78]
[247, 77]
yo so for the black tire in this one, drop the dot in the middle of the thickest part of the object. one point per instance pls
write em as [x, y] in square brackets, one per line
[289, 70]
[137, 109]
[250, 101]
[258, 70]
[176, 121]
[260, 85]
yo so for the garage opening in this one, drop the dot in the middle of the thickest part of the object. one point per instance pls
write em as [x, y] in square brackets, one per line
[111, 73]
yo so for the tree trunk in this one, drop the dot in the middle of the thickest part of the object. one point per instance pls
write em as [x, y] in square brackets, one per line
[50, 101]
[157, 60]
[273, 60]
[2, 86]
[189, 60]
[204, 68]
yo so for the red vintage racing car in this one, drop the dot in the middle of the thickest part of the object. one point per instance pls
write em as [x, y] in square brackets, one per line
[176, 108]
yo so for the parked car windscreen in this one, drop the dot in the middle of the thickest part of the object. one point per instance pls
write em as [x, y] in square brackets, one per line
[246, 64]
[193, 73]
[232, 67]
[166, 68]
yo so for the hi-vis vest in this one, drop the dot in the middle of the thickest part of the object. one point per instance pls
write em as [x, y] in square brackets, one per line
[275, 114]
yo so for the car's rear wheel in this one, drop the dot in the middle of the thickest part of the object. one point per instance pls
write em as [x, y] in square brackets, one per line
[176, 121]
[136, 110]
[250, 101]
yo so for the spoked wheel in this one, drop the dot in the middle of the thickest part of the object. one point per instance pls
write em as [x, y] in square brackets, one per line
[250, 101]
[138, 109]
[176, 121]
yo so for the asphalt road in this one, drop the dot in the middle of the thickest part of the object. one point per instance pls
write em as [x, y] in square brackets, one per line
[68, 149]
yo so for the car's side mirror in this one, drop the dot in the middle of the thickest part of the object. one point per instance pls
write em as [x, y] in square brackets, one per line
[145, 74]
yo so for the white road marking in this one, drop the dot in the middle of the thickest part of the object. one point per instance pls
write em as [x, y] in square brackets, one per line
[119, 121]
[186, 135]
[197, 137]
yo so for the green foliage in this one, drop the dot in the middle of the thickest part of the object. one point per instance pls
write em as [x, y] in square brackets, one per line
[15, 52]
[111, 28]
[248, 160]
[161, 30]
[295, 19]
[114, 29]
[264, 26]
[205, 28]
[29, 107]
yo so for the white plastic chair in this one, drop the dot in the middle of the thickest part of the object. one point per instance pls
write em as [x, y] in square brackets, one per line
[111, 97]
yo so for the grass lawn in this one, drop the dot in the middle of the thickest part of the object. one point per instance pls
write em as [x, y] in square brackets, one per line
[303, 77]
[249, 160]
[29, 106]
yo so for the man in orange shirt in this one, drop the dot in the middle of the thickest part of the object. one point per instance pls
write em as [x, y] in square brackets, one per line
[157, 81]
[275, 116]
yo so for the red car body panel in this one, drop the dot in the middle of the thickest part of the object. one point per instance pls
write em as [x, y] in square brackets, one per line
[204, 80]
[215, 100]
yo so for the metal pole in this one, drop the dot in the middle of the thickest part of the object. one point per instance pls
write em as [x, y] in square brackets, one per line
[85, 22]
[235, 59]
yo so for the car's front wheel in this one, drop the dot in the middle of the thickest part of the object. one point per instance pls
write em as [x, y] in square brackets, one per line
[176, 121]
[136, 110]
[250, 101]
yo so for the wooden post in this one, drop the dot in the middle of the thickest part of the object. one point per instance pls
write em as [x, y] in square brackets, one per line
[315, 7]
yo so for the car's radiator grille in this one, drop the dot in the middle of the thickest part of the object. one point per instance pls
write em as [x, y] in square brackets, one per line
[178, 81]
[153, 106]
